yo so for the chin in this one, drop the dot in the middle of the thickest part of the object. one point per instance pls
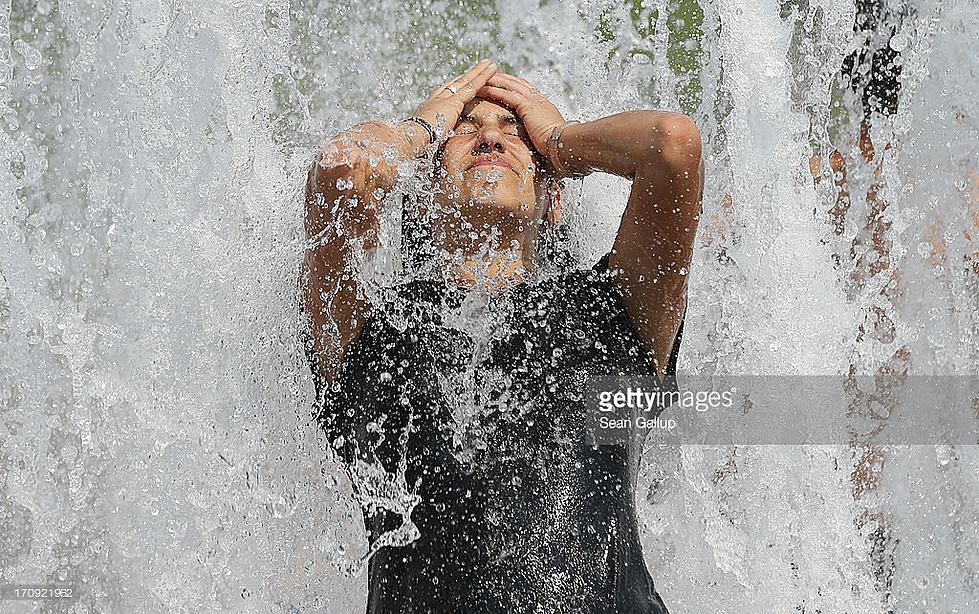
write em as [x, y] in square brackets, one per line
[492, 207]
[503, 195]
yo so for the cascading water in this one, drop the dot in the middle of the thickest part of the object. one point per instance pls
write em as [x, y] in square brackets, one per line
[157, 450]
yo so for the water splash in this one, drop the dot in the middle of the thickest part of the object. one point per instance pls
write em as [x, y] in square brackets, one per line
[154, 399]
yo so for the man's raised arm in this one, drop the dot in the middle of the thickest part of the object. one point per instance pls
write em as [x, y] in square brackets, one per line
[661, 153]
[345, 187]
[352, 175]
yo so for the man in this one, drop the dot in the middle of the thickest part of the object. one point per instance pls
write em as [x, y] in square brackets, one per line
[515, 511]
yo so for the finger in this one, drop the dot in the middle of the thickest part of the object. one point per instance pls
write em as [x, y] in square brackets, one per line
[520, 82]
[459, 81]
[511, 87]
[466, 90]
[480, 78]
[512, 99]
[469, 74]
[523, 81]
[501, 79]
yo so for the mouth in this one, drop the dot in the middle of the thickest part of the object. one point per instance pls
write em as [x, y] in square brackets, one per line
[490, 161]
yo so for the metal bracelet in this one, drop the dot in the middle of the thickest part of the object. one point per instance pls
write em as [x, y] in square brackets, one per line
[554, 144]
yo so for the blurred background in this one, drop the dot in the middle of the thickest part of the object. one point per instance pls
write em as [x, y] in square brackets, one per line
[156, 446]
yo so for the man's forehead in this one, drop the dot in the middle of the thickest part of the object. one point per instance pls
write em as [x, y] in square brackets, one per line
[488, 110]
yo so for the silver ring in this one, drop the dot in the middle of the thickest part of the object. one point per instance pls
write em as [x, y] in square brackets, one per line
[451, 89]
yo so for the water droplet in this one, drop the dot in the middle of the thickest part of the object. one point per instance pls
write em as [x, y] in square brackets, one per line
[945, 455]
[32, 57]
[899, 42]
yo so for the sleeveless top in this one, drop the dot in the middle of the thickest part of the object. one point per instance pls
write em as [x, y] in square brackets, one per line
[515, 511]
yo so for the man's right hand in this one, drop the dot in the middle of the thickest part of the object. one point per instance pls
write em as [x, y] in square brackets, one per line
[449, 100]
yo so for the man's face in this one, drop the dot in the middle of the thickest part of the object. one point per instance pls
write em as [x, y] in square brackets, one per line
[490, 170]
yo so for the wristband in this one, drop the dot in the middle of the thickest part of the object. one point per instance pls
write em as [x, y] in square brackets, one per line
[424, 124]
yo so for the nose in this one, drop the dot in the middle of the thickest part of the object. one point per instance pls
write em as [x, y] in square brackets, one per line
[490, 139]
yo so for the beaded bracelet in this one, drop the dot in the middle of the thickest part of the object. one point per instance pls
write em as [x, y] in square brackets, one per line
[424, 124]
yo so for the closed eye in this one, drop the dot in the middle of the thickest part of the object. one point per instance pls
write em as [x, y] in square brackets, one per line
[465, 126]
[510, 126]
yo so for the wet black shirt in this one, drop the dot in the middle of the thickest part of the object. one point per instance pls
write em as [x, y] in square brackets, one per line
[480, 405]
